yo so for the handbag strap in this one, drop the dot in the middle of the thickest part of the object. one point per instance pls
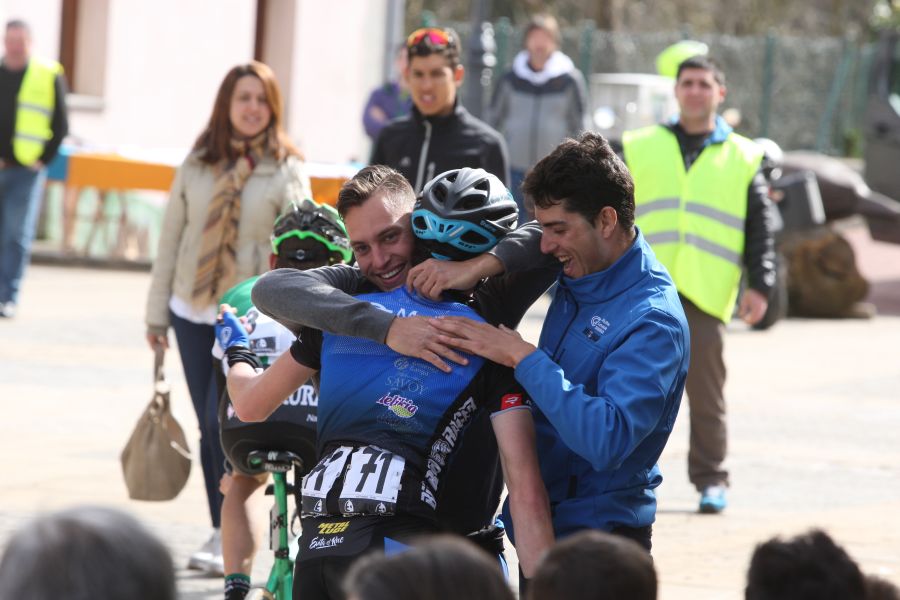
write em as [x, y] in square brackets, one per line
[158, 359]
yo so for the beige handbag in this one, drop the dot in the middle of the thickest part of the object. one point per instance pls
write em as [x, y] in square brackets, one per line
[156, 461]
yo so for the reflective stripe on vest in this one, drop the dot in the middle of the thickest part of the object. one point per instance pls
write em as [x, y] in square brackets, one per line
[694, 220]
[34, 110]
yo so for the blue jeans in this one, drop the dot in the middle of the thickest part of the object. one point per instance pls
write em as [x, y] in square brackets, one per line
[195, 342]
[21, 189]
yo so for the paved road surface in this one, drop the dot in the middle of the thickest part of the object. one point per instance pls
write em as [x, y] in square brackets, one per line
[815, 415]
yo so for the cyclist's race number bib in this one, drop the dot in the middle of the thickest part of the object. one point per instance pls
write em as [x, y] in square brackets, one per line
[369, 480]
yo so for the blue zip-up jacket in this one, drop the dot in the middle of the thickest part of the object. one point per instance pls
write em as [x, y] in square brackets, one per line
[607, 381]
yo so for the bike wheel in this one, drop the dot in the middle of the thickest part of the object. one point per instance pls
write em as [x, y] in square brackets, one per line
[260, 594]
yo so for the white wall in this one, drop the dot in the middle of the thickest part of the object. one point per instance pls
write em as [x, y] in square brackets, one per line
[166, 58]
[337, 63]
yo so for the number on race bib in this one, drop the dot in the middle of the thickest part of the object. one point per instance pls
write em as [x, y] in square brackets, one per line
[320, 480]
[368, 479]
[372, 482]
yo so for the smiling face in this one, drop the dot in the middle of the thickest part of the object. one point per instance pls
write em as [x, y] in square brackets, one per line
[382, 241]
[582, 248]
[433, 83]
[699, 96]
[249, 111]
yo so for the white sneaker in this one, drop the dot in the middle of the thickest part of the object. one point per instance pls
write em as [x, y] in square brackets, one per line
[204, 559]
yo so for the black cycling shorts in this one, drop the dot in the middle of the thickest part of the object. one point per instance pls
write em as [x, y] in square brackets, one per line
[239, 439]
[329, 545]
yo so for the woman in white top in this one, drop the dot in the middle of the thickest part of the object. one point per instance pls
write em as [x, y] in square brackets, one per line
[242, 173]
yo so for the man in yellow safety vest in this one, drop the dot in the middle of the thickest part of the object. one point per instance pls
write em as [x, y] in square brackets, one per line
[33, 123]
[701, 204]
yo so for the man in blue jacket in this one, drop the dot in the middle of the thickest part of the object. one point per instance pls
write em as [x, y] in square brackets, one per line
[609, 371]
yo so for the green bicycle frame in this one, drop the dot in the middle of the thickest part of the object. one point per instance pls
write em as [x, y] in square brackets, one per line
[281, 577]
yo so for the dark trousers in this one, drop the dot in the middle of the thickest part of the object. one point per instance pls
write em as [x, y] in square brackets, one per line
[705, 387]
[195, 342]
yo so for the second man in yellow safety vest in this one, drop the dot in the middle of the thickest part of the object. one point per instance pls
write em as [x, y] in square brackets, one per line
[32, 125]
[701, 204]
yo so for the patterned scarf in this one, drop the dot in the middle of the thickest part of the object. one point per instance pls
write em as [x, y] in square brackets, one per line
[216, 266]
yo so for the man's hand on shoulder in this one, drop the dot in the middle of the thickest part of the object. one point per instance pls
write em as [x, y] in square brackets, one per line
[414, 336]
[433, 277]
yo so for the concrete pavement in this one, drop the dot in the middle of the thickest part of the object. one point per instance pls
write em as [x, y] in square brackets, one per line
[814, 413]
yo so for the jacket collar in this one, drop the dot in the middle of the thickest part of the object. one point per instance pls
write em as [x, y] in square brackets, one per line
[629, 269]
[718, 135]
[459, 112]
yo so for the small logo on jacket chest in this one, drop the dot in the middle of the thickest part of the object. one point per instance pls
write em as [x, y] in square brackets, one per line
[598, 327]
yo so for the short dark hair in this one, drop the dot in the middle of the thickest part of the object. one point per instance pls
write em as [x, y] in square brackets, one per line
[372, 179]
[18, 24]
[705, 63]
[89, 552]
[608, 565]
[442, 567]
[810, 566]
[583, 175]
[425, 47]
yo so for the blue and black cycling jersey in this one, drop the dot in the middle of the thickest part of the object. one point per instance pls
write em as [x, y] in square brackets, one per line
[390, 426]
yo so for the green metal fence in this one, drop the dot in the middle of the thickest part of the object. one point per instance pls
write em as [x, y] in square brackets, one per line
[803, 92]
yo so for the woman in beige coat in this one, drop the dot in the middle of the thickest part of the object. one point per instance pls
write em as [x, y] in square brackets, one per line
[241, 174]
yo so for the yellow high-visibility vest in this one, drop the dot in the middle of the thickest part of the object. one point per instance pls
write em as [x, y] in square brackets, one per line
[34, 111]
[694, 219]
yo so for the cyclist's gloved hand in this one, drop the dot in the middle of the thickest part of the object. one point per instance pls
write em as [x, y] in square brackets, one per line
[230, 332]
[489, 538]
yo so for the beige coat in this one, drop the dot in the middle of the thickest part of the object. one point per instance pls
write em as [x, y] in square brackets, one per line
[268, 191]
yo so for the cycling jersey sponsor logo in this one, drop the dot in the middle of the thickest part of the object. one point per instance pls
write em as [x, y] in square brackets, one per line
[443, 446]
[511, 401]
[400, 383]
[305, 395]
[333, 528]
[400, 406]
[348, 507]
[264, 345]
[320, 543]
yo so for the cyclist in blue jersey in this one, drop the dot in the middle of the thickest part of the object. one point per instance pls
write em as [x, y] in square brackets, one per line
[306, 236]
[325, 299]
[390, 426]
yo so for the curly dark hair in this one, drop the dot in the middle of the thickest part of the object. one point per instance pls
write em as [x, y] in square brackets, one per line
[583, 175]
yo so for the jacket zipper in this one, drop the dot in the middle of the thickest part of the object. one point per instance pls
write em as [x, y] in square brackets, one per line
[557, 356]
[423, 154]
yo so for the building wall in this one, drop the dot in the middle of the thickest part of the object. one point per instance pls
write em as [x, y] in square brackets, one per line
[165, 59]
[337, 63]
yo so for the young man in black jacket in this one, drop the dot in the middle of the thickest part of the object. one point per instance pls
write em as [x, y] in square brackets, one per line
[439, 134]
